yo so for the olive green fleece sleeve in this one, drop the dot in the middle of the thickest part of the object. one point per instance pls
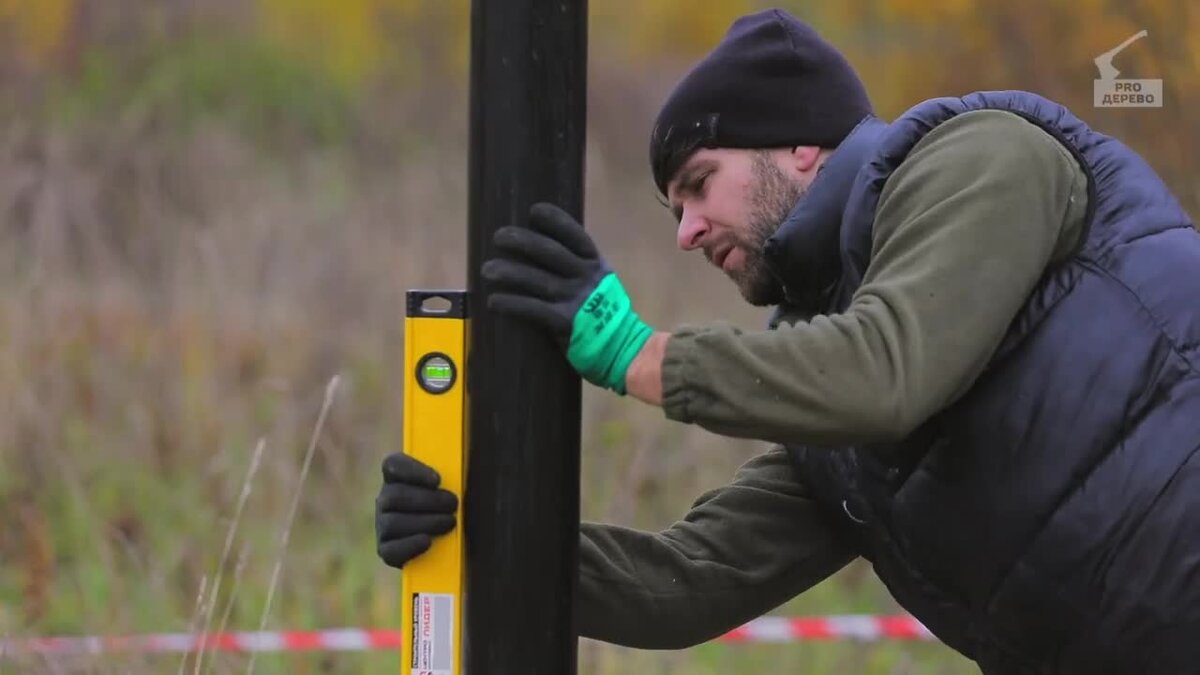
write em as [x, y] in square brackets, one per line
[740, 551]
[964, 228]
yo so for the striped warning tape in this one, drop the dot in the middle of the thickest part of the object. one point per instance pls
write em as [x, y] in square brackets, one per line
[765, 629]
[845, 627]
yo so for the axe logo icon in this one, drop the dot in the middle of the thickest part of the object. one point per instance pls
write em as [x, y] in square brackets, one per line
[1110, 91]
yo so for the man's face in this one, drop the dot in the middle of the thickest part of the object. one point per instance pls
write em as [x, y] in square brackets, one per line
[728, 203]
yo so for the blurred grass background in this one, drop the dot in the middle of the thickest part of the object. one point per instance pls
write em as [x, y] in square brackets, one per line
[209, 209]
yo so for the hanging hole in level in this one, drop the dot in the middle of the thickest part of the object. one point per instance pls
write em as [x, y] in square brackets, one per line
[435, 304]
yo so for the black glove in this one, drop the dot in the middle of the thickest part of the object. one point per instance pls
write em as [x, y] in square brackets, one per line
[551, 274]
[410, 509]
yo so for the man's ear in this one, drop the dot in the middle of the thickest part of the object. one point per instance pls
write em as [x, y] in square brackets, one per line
[805, 158]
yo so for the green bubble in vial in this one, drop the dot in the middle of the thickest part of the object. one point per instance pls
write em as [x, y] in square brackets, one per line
[437, 372]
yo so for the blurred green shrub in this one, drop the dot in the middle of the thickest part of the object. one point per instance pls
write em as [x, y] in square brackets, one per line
[261, 90]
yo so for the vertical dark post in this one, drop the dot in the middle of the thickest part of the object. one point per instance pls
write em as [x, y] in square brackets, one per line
[528, 98]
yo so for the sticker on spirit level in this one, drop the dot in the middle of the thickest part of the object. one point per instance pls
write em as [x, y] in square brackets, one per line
[432, 634]
[436, 373]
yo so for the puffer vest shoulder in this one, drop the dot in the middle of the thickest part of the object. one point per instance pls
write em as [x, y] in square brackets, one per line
[1049, 520]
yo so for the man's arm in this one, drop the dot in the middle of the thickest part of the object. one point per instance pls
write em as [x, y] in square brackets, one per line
[965, 228]
[740, 551]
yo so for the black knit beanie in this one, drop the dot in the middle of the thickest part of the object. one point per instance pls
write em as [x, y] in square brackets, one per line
[772, 81]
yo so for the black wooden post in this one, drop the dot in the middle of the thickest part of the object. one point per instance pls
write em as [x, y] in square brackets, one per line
[528, 99]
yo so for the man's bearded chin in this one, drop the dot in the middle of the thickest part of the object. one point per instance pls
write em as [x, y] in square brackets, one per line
[756, 282]
[772, 197]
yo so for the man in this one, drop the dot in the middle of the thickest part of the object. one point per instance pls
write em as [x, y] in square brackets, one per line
[982, 373]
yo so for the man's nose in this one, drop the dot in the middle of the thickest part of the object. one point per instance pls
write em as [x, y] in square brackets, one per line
[692, 230]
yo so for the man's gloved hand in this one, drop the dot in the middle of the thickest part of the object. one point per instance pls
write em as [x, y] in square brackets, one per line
[550, 273]
[410, 509]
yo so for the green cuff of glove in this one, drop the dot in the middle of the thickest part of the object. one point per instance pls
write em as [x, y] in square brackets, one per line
[606, 335]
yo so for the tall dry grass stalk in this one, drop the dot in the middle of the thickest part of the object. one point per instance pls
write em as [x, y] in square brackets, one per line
[330, 391]
[247, 485]
[194, 624]
[237, 580]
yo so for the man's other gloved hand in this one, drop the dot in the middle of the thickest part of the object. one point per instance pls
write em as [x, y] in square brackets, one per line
[410, 509]
[550, 273]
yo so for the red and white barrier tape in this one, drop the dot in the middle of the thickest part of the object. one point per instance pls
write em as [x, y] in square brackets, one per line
[845, 627]
[765, 629]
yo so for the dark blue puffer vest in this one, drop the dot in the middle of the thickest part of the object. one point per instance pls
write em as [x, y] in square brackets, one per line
[1049, 520]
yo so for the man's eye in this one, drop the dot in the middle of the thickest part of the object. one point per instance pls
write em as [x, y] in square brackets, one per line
[701, 182]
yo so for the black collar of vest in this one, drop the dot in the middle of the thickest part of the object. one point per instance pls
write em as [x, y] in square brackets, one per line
[804, 253]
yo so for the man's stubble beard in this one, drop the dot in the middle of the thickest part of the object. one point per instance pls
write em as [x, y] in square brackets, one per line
[773, 195]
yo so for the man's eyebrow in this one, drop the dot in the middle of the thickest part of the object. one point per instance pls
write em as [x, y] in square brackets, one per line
[687, 174]
[685, 183]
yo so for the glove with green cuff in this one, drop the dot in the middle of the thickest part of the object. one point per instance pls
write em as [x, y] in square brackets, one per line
[551, 274]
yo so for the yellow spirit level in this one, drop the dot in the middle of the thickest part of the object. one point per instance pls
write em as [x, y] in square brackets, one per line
[435, 400]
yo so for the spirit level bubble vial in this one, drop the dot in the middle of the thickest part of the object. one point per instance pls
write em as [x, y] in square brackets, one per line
[436, 373]
[432, 585]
